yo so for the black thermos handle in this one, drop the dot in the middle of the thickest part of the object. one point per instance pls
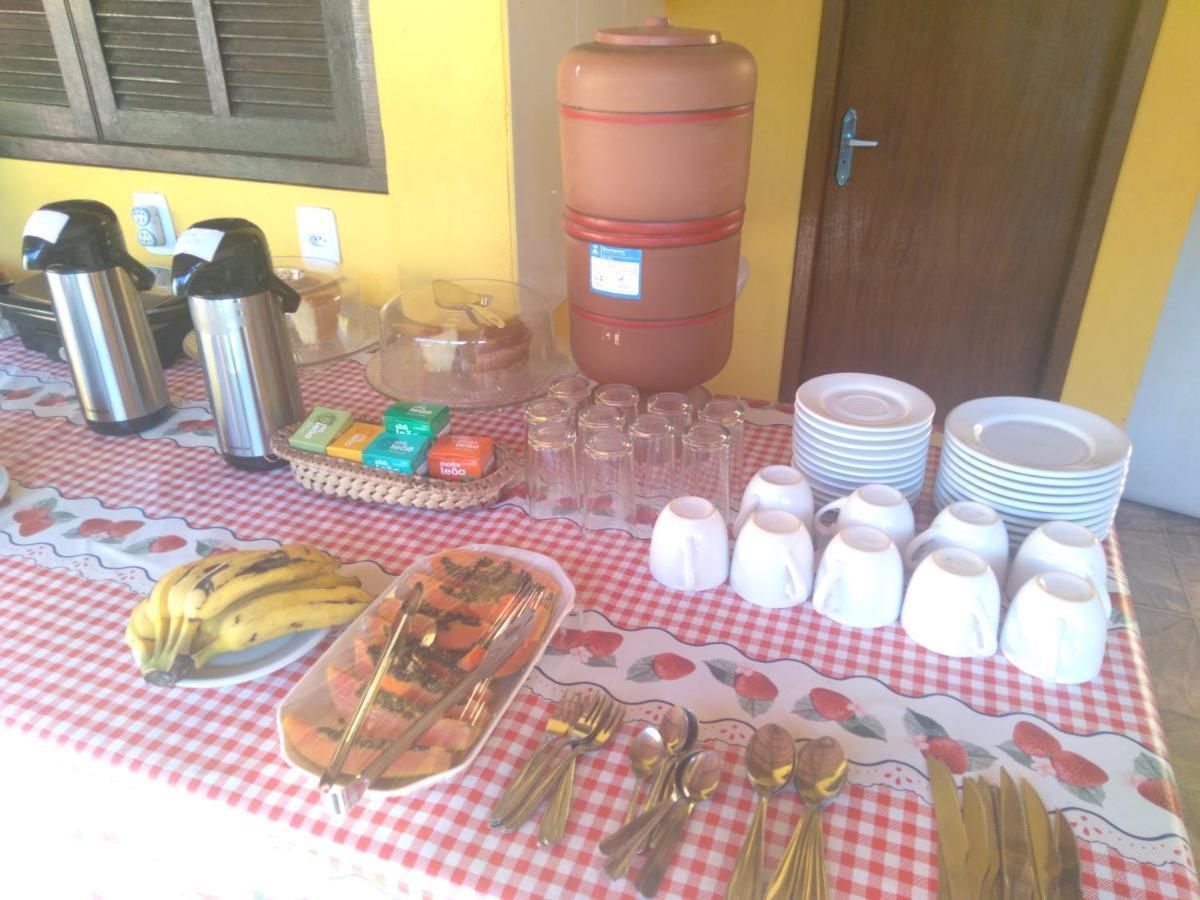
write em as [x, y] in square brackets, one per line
[286, 293]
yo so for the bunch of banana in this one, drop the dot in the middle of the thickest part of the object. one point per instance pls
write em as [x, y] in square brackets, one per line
[237, 600]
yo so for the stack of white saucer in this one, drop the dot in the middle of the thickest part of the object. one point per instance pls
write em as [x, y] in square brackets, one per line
[1032, 461]
[852, 429]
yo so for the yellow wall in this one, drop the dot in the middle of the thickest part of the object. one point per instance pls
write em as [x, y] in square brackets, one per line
[1151, 207]
[1149, 216]
[443, 100]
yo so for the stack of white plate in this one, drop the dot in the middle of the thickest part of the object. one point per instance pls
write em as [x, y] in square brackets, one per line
[1034, 460]
[852, 429]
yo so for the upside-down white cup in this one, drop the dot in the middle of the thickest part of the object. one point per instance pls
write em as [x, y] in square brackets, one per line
[860, 579]
[1056, 629]
[1061, 547]
[689, 547]
[777, 487]
[952, 605]
[878, 505]
[772, 560]
[966, 524]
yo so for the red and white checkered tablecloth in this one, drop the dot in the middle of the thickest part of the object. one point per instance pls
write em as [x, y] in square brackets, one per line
[90, 521]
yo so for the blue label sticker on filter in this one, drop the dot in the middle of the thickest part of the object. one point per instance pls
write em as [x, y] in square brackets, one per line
[616, 271]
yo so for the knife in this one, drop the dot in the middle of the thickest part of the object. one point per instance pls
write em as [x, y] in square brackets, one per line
[1068, 855]
[1019, 882]
[991, 883]
[979, 837]
[952, 834]
[1042, 842]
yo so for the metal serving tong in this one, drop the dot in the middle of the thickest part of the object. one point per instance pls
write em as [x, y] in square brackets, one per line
[509, 632]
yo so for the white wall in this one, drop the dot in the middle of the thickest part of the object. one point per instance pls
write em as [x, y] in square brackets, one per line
[1165, 420]
[539, 33]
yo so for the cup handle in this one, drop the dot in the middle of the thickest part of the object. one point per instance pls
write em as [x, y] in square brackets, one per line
[912, 552]
[822, 591]
[689, 562]
[985, 644]
[832, 506]
[795, 590]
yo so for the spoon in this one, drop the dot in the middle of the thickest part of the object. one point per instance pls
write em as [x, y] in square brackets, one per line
[647, 754]
[696, 771]
[820, 773]
[697, 781]
[770, 760]
[679, 729]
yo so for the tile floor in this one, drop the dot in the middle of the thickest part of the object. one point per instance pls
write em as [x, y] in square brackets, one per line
[1162, 560]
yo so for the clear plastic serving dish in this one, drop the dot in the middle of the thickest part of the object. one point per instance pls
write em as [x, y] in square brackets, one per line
[468, 343]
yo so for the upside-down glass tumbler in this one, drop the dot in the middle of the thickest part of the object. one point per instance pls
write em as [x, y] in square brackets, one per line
[608, 482]
[551, 472]
[654, 469]
[705, 469]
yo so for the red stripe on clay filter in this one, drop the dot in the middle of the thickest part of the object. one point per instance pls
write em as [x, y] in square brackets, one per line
[650, 323]
[650, 235]
[657, 118]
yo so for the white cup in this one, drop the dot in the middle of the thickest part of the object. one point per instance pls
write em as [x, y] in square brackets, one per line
[772, 560]
[1061, 547]
[777, 487]
[952, 605]
[966, 524]
[1056, 629]
[878, 505]
[860, 579]
[689, 547]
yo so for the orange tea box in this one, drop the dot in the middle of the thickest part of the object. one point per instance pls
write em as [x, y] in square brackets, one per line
[354, 441]
[458, 457]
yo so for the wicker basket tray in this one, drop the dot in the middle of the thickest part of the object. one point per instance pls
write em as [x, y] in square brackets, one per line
[344, 478]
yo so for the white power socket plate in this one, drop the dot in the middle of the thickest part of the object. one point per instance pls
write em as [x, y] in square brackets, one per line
[157, 237]
[318, 233]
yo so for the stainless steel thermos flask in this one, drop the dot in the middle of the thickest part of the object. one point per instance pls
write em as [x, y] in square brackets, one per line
[94, 287]
[237, 302]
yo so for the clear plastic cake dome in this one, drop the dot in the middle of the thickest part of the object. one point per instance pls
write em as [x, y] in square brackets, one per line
[467, 343]
[331, 320]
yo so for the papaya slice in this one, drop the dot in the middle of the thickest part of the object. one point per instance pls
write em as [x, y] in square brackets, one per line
[317, 744]
[390, 715]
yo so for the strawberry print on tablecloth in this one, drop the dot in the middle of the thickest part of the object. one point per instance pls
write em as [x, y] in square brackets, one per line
[592, 648]
[930, 737]
[824, 705]
[1036, 749]
[1156, 783]
[39, 516]
[105, 531]
[755, 692]
[661, 667]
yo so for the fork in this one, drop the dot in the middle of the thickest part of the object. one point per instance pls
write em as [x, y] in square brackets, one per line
[570, 726]
[611, 717]
[527, 594]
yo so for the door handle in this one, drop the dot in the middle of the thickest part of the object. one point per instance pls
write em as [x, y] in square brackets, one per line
[846, 145]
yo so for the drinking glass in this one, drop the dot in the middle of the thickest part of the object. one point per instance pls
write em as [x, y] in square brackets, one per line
[546, 409]
[705, 469]
[574, 390]
[599, 418]
[676, 409]
[608, 482]
[624, 397]
[730, 415]
[551, 471]
[654, 469]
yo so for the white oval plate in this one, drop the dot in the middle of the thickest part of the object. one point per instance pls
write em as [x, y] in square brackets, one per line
[865, 401]
[978, 462]
[1097, 524]
[1064, 496]
[833, 431]
[254, 662]
[906, 452]
[1036, 507]
[842, 486]
[839, 468]
[1028, 434]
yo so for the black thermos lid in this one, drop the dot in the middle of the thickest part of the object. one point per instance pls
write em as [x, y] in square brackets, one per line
[227, 258]
[74, 236]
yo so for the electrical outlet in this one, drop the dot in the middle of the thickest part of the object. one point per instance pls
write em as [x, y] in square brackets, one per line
[155, 230]
[318, 233]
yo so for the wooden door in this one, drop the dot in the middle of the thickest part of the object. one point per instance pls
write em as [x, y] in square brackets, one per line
[958, 254]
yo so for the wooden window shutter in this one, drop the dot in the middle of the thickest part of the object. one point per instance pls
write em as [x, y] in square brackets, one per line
[266, 77]
[42, 91]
